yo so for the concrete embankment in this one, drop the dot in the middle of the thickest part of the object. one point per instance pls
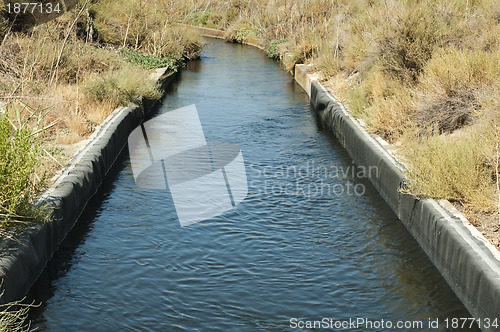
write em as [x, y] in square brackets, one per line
[468, 262]
[24, 256]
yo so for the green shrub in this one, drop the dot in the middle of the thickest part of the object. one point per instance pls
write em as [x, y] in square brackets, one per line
[204, 19]
[149, 61]
[241, 31]
[19, 148]
[358, 101]
[411, 39]
[122, 87]
[242, 34]
[273, 49]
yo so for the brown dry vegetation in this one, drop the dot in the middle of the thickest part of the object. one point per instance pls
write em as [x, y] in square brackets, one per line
[422, 74]
[75, 67]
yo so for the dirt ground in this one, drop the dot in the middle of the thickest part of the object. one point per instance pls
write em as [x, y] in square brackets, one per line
[488, 225]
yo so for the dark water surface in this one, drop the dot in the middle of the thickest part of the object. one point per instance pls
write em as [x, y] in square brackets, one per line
[302, 244]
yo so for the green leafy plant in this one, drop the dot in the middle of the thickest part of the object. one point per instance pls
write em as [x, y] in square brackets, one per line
[152, 62]
[19, 148]
[205, 19]
[273, 49]
[242, 34]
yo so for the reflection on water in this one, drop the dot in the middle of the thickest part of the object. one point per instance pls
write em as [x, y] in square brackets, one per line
[301, 245]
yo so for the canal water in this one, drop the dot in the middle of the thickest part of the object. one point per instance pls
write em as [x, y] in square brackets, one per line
[311, 241]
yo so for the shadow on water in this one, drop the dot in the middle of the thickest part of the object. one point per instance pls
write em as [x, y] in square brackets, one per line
[62, 260]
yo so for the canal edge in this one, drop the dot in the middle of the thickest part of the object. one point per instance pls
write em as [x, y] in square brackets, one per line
[469, 263]
[465, 258]
[24, 256]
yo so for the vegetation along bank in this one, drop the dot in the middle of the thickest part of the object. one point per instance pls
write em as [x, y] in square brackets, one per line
[424, 75]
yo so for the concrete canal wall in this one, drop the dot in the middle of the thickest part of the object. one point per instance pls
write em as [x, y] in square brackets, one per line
[24, 256]
[469, 263]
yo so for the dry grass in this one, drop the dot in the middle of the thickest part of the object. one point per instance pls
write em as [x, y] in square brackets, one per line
[88, 81]
[14, 316]
[429, 68]
[79, 72]
[454, 167]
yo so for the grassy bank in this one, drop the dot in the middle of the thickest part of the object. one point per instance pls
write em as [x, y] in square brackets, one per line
[89, 61]
[424, 75]
[66, 76]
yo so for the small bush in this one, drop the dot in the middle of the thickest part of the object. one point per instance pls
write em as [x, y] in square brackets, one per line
[411, 40]
[149, 61]
[328, 63]
[240, 31]
[96, 60]
[242, 34]
[451, 167]
[452, 71]
[273, 49]
[299, 54]
[451, 87]
[19, 148]
[122, 87]
[204, 19]
[390, 117]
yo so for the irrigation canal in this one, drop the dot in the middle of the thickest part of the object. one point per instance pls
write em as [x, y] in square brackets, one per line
[311, 240]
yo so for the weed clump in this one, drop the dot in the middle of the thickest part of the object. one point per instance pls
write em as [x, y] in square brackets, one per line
[241, 31]
[272, 51]
[452, 167]
[121, 87]
[148, 61]
[19, 152]
[204, 19]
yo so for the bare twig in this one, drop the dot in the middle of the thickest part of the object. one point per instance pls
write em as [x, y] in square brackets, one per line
[497, 162]
[64, 42]
[52, 157]
[128, 27]
[17, 87]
